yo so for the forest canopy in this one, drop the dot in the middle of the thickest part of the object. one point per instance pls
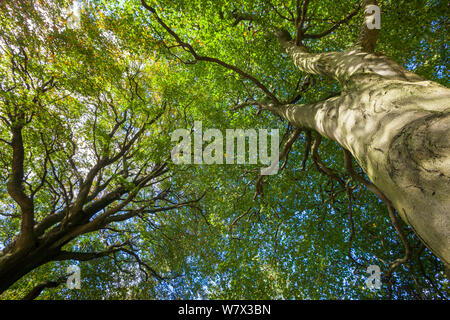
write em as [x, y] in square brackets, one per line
[90, 93]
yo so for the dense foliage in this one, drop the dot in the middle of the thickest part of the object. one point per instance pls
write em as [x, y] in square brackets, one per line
[305, 236]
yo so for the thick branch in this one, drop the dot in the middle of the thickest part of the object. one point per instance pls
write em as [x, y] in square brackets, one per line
[312, 63]
[15, 186]
[315, 116]
[301, 17]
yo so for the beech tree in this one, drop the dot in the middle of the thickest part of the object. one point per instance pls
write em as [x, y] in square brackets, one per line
[76, 125]
[86, 114]
[392, 121]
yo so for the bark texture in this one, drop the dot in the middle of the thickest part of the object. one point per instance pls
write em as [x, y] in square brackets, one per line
[395, 124]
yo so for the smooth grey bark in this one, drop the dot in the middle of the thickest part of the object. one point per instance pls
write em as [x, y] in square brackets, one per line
[395, 124]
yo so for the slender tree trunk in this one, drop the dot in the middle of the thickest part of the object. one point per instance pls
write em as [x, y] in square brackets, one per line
[396, 125]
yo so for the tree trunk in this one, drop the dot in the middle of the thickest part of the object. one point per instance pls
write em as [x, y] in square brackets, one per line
[14, 266]
[396, 125]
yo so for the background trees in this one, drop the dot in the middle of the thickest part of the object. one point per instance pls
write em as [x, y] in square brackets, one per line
[95, 107]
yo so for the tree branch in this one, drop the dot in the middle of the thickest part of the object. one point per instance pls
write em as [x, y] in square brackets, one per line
[37, 290]
[349, 166]
[198, 57]
[334, 27]
[15, 187]
[307, 149]
[367, 37]
[312, 63]
[301, 18]
[85, 256]
[284, 153]
[320, 165]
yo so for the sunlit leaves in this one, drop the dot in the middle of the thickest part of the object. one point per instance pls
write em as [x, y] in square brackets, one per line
[293, 243]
